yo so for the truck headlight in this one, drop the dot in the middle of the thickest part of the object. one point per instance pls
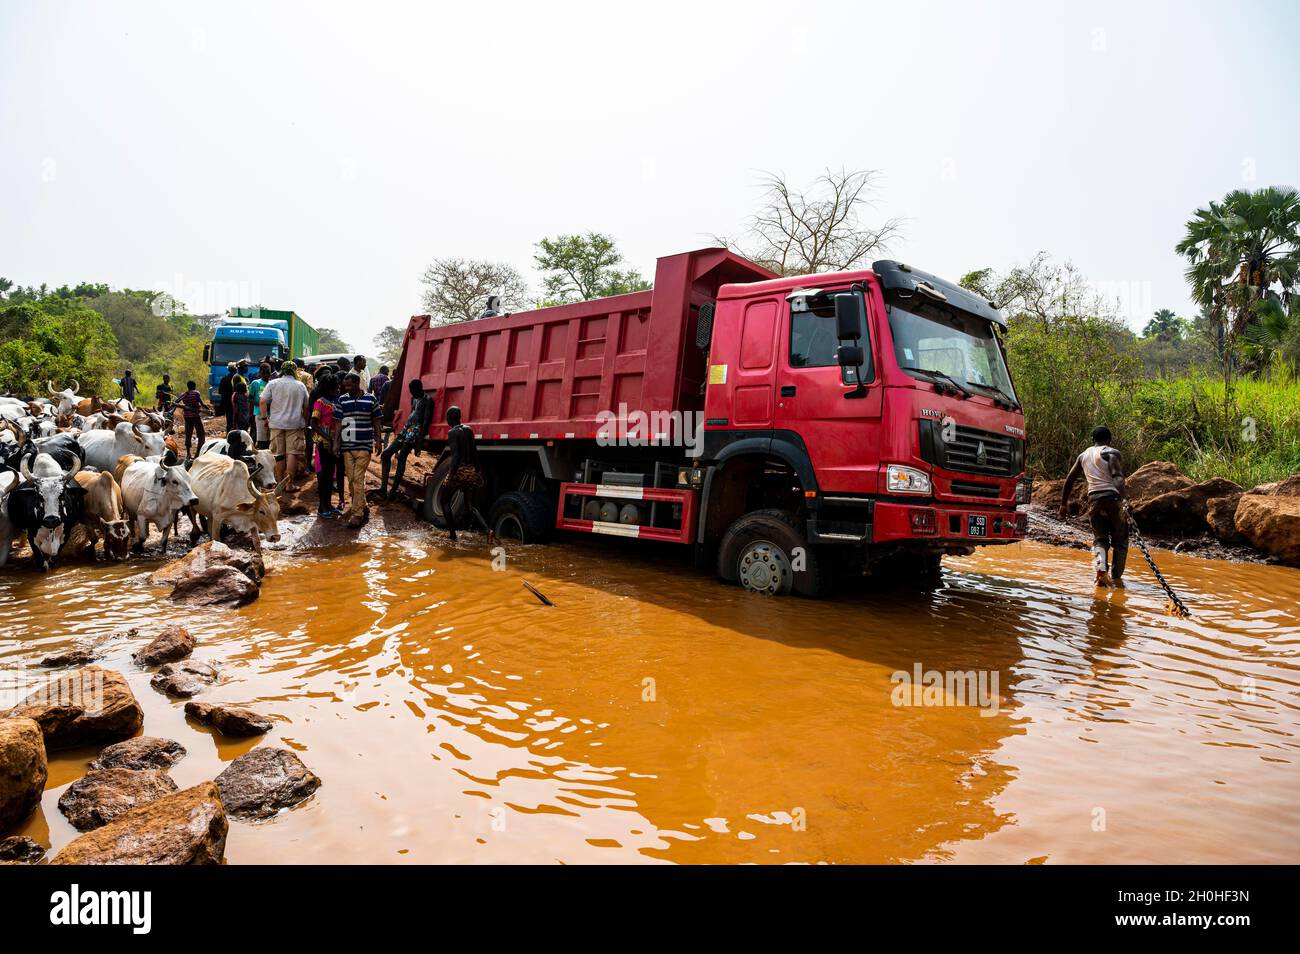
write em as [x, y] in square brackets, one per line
[906, 480]
[1024, 490]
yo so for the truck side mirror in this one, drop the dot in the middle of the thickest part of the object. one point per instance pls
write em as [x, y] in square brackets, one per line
[850, 312]
[207, 354]
[849, 356]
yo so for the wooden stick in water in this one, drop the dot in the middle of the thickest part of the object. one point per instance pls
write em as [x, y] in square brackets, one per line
[545, 601]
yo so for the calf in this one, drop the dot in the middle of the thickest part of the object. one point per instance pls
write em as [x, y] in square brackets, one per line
[45, 506]
[153, 492]
[229, 498]
[105, 515]
[104, 448]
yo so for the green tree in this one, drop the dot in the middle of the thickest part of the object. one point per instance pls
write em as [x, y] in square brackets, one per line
[1164, 326]
[1238, 250]
[140, 333]
[582, 267]
[331, 342]
[389, 344]
[55, 340]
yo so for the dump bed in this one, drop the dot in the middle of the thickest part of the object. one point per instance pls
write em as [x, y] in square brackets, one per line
[547, 374]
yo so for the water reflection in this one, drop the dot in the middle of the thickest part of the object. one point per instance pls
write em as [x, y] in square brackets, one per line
[654, 715]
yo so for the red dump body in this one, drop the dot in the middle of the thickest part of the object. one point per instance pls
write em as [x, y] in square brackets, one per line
[547, 373]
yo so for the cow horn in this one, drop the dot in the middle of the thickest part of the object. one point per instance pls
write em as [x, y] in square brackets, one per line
[75, 386]
[76, 465]
[50, 384]
[135, 429]
[24, 469]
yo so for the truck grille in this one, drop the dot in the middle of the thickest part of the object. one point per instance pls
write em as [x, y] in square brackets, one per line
[971, 450]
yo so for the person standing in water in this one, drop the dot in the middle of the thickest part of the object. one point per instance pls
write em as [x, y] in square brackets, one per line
[356, 429]
[409, 438]
[1101, 466]
[463, 475]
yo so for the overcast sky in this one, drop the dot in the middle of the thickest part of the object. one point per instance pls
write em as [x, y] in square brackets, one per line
[318, 156]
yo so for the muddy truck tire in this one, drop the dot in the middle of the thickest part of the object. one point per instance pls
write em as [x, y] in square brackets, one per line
[431, 507]
[766, 552]
[523, 516]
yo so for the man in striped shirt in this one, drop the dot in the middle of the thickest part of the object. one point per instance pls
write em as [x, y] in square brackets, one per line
[356, 433]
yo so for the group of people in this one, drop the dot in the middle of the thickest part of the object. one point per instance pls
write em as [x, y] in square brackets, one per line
[329, 419]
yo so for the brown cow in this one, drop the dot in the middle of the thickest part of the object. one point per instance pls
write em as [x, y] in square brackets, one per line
[104, 516]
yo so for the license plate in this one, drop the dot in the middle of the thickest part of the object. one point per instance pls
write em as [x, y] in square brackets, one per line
[977, 526]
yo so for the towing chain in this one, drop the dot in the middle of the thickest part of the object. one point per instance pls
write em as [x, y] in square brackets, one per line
[1176, 606]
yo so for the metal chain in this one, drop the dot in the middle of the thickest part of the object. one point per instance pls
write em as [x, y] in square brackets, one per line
[1177, 607]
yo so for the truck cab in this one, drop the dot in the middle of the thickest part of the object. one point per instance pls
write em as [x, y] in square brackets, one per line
[874, 408]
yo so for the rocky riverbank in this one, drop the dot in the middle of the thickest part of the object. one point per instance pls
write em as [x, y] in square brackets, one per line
[126, 805]
[1215, 519]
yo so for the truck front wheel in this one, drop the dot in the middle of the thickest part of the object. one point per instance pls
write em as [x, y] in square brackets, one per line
[766, 552]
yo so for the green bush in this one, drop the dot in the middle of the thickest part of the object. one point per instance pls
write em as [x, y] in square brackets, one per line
[54, 340]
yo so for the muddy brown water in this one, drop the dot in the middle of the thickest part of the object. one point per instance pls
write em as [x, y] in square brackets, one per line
[654, 714]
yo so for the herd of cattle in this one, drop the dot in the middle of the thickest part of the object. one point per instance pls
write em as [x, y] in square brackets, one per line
[76, 470]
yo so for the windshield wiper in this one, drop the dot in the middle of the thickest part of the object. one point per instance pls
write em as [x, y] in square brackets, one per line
[996, 390]
[939, 374]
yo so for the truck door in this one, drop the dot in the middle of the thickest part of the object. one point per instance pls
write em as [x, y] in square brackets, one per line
[842, 434]
[754, 371]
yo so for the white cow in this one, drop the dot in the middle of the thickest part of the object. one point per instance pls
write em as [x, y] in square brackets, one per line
[105, 448]
[65, 401]
[8, 481]
[153, 493]
[229, 498]
[263, 473]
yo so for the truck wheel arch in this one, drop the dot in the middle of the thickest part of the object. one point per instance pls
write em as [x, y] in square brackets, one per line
[736, 457]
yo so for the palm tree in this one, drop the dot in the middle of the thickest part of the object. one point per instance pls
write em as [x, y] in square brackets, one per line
[1238, 249]
[1164, 326]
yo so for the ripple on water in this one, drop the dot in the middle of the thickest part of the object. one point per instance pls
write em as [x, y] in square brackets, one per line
[653, 714]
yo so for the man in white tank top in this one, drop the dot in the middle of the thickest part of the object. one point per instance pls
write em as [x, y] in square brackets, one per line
[1100, 465]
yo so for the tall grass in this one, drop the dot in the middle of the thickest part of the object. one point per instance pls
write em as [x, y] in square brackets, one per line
[1251, 438]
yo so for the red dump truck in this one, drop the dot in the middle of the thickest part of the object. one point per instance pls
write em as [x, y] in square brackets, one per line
[785, 430]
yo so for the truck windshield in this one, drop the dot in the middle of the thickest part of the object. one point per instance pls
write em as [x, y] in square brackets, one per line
[930, 337]
[223, 352]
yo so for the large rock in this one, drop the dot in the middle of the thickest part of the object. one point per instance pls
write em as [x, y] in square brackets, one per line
[1154, 479]
[264, 781]
[102, 795]
[173, 643]
[23, 770]
[185, 828]
[1272, 524]
[20, 850]
[1220, 516]
[210, 554]
[184, 679]
[83, 707]
[142, 752]
[76, 656]
[1183, 510]
[216, 586]
[235, 721]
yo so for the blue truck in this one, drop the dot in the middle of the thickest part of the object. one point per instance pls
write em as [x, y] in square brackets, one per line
[253, 334]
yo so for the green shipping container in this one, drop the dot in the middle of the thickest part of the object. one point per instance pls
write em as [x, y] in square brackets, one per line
[303, 339]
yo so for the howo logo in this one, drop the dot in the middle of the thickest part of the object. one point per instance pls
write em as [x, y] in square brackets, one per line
[981, 454]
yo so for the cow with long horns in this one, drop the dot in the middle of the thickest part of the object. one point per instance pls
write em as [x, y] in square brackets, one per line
[46, 505]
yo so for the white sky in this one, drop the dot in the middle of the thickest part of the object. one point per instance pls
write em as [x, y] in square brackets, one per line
[317, 156]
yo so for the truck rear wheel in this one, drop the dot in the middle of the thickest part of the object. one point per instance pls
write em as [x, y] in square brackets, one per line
[431, 508]
[766, 552]
[523, 516]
